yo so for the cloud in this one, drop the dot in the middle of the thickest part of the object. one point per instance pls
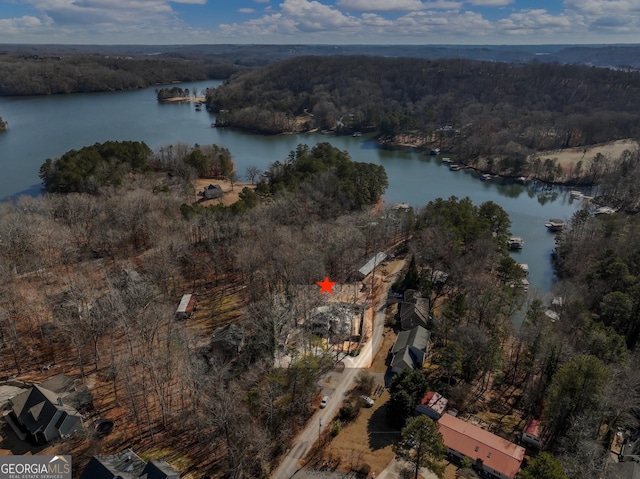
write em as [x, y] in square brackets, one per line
[536, 21]
[380, 5]
[489, 3]
[603, 7]
[617, 16]
[313, 15]
[246, 10]
[17, 26]
[103, 21]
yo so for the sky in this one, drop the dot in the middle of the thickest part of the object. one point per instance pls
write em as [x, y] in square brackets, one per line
[477, 22]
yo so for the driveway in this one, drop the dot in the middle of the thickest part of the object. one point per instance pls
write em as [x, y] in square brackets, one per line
[336, 386]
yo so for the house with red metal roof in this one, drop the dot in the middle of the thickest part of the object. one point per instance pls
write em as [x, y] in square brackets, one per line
[497, 457]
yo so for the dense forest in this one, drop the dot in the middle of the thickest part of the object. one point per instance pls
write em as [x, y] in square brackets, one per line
[575, 368]
[103, 268]
[40, 74]
[102, 165]
[475, 108]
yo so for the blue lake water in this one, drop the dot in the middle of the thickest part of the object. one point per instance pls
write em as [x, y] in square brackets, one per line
[48, 126]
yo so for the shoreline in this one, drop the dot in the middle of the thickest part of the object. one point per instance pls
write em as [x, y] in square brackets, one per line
[188, 99]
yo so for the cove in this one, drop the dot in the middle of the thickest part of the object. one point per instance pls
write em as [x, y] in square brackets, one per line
[48, 126]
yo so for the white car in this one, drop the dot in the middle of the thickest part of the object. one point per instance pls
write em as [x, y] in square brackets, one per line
[367, 401]
[323, 403]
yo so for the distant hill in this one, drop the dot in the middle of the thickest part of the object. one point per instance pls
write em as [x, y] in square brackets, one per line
[254, 55]
[480, 108]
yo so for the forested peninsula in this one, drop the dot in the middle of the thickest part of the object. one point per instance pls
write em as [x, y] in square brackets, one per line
[472, 108]
[46, 74]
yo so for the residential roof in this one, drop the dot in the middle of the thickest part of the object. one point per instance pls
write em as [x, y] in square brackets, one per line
[410, 348]
[36, 407]
[159, 469]
[414, 314]
[477, 444]
[622, 470]
[417, 337]
[187, 303]
[125, 464]
[435, 401]
[60, 383]
[231, 335]
[532, 428]
[372, 263]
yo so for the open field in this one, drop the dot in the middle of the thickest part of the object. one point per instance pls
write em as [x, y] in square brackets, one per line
[568, 158]
[231, 194]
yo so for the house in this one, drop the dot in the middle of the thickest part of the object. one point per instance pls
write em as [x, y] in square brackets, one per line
[413, 310]
[369, 266]
[127, 465]
[410, 349]
[336, 321]
[40, 415]
[227, 341]
[531, 434]
[186, 307]
[212, 192]
[630, 451]
[433, 405]
[622, 470]
[496, 457]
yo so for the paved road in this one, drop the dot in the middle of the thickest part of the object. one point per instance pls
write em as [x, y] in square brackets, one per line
[343, 383]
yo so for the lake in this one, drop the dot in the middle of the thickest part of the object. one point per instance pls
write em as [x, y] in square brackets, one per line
[46, 127]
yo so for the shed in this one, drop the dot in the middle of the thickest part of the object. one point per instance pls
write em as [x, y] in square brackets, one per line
[186, 307]
[376, 260]
[433, 405]
[531, 434]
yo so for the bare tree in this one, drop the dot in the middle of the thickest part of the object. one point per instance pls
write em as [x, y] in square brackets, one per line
[252, 173]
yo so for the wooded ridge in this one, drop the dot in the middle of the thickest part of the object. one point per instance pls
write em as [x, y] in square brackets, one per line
[476, 108]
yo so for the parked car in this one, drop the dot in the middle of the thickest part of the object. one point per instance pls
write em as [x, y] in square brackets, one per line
[323, 403]
[368, 402]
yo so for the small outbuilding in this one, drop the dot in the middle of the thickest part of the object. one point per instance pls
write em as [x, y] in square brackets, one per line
[370, 265]
[186, 307]
[531, 434]
[433, 405]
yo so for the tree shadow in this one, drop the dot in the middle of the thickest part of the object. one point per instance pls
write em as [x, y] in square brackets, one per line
[380, 433]
[18, 447]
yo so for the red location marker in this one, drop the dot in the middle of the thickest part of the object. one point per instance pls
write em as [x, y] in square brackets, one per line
[326, 286]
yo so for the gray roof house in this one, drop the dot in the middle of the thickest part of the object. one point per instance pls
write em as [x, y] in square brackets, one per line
[622, 470]
[413, 311]
[410, 349]
[373, 262]
[227, 341]
[127, 465]
[212, 192]
[40, 415]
